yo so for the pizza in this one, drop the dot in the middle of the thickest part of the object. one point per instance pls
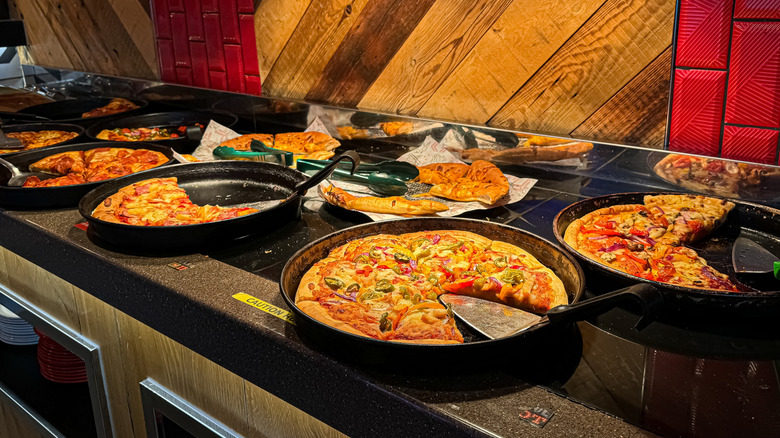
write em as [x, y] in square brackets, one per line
[116, 105]
[38, 139]
[389, 205]
[648, 240]
[396, 128]
[386, 286]
[310, 145]
[78, 167]
[531, 148]
[143, 134]
[160, 202]
[713, 175]
[482, 181]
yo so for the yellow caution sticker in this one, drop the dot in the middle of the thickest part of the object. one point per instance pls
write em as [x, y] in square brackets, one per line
[265, 307]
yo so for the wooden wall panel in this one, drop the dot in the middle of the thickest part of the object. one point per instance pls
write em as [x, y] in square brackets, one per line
[320, 31]
[533, 65]
[518, 43]
[113, 37]
[440, 42]
[637, 113]
[615, 45]
[373, 40]
[275, 21]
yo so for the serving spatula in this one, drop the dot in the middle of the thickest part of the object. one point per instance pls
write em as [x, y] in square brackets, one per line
[496, 320]
[748, 257]
[18, 177]
[9, 143]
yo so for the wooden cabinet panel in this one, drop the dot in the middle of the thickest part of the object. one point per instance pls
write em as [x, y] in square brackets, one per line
[270, 416]
[13, 425]
[41, 288]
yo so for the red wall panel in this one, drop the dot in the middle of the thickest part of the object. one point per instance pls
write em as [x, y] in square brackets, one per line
[208, 43]
[754, 78]
[703, 33]
[162, 21]
[750, 144]
[757, 9]
[697, 111]
[194, 20]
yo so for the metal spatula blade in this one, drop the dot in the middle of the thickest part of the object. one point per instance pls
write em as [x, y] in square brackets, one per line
[748, 257]
[494, 320]
[9, 143]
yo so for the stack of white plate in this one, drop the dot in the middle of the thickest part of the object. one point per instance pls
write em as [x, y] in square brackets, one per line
[14, 330]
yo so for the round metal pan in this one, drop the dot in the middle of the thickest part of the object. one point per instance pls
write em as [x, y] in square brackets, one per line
[70, 111]
[377, 352]
[222, 183]
[68, 127]
[174, 119]
[32, 198]
[755, 221]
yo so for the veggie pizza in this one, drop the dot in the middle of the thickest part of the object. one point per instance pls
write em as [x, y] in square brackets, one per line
[386, 286]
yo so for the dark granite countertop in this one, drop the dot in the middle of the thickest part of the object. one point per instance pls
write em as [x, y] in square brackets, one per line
[195, 308]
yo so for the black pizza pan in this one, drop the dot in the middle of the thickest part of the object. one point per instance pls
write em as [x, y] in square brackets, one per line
[371, 351]
[40, 198]
[70, 111]
[45, 126]
[759, 299]
[279, 190]
[171, 120]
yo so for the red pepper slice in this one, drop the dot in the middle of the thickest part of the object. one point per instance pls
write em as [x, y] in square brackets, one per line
[602, 232]
[638, 232]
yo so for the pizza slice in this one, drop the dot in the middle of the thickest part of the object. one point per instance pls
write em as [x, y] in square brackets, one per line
[390, 205]
[682, 266]
[242, 143]
[509, 275]
[397, 128]
[441, 173]
[483, 182]
[305, 142]
[691, 217]
[116, 105]
[65, 180]
[61, 163]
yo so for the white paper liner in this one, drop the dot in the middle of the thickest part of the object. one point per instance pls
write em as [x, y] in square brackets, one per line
[431, 152]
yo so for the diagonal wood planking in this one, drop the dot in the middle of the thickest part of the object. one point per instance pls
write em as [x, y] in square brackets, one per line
[89, 35]
[516, 46]
[275, 21]
[434, 49]
[321, 30]
[602, 56]
[636, 115]
[369, 46]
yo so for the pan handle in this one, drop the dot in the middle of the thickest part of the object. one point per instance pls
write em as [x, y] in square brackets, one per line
[645, 294]
[303, 186]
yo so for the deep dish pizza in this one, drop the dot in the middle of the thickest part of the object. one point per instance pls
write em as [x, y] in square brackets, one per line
[143, 134]
[79, 167]
[116, 105]
[648, 240]
[387, 286]
[38, 139]
[160, 202]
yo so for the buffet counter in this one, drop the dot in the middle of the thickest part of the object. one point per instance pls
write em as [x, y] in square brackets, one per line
[213, 328]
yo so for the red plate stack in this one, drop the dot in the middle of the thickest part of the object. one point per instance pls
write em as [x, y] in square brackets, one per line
[58, 364]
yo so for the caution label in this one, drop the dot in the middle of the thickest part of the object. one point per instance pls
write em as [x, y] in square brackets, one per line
[265, 307]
